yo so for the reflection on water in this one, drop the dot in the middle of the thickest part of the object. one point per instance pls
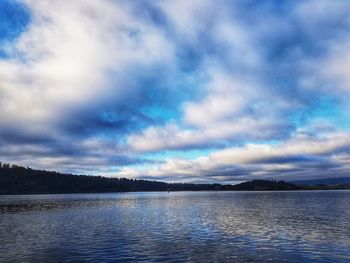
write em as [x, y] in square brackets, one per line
[177, 227]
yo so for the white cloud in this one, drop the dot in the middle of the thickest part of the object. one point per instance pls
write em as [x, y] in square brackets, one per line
[284, 160]
[172, 137]
[234, 109]
[296, 146]
[227, 98]
[335, 68]
[189, 18]
[66, 56]
[326, 22]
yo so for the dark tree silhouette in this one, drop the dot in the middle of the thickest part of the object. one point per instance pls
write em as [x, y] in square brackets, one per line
[16, 179]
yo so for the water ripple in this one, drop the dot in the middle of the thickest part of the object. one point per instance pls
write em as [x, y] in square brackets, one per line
[177, 227]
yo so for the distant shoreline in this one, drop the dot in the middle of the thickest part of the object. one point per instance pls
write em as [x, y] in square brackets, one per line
[18, 180]
[184, 191]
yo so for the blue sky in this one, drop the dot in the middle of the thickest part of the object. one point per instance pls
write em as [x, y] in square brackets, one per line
[190, 91]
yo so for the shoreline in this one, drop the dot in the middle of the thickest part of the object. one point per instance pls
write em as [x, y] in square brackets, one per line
[197, 191]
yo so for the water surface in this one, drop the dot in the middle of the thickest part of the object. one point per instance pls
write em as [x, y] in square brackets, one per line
[301, 226]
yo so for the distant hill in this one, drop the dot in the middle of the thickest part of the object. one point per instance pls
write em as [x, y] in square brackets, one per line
[327, 181]
[20, 180]
[271, 185]
[266, 185]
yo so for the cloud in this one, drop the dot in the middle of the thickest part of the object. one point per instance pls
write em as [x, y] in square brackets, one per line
[111, 86]
[335, 68]
[301, 156]
[227, 98]
[233, 110]
[62, 61]
[67, 64]
[172, 137]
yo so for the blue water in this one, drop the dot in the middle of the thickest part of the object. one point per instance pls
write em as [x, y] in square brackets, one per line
[177, 227]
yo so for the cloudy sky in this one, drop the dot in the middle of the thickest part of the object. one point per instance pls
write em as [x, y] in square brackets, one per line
[177, 90]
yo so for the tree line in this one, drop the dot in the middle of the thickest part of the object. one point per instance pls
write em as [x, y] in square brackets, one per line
[16, 179]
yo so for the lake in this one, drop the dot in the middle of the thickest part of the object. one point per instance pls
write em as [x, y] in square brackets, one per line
[300, 226]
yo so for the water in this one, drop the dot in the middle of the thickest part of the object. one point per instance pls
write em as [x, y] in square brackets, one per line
[177, 227]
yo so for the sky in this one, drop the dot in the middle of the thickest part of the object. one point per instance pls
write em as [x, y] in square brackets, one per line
[178, 91]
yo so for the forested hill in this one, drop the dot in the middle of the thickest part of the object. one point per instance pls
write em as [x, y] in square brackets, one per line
[20, 180]
[266, 185]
